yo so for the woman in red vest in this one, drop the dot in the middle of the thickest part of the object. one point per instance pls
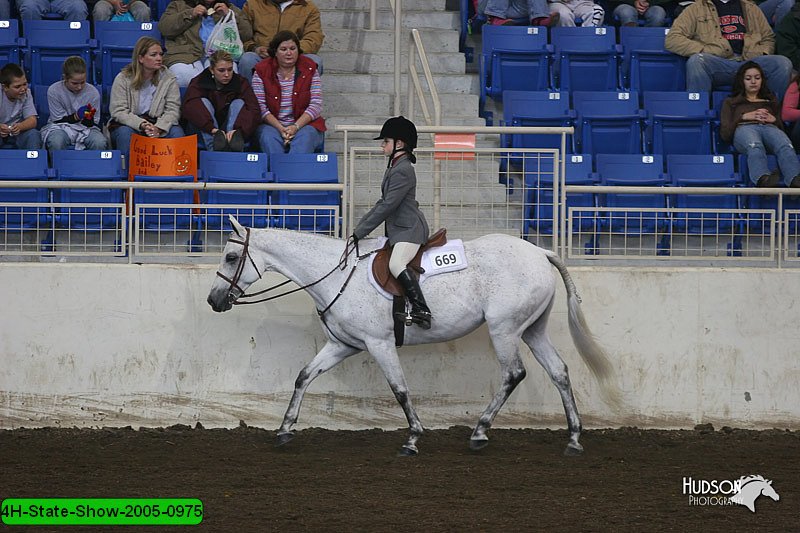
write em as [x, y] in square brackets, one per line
[289, 93]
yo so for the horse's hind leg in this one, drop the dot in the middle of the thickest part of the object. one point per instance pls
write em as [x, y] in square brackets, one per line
[543, 350]
[328, 357]
[385, 354]
[506, 346]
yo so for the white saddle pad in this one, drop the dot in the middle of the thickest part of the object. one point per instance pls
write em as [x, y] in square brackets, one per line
[447, 258]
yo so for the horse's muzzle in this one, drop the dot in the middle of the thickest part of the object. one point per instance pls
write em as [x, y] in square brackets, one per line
[221, 306]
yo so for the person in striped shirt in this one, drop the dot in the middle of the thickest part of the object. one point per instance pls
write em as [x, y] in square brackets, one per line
[289, 93]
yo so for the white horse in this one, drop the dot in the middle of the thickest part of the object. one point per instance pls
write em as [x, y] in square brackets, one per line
[509, 284]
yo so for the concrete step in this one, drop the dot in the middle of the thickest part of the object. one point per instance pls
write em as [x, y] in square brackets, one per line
[461, 105]
[385, 20]
[383, 63]
[338, 40]
[363, 5]
[335, 82]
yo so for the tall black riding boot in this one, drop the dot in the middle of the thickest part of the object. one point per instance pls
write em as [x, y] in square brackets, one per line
[420, 314]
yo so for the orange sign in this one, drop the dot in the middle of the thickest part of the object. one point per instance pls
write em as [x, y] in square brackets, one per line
[163, 157]
[449, 141]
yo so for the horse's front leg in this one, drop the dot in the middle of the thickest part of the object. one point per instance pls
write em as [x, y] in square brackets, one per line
[385, 353]
[328, 357]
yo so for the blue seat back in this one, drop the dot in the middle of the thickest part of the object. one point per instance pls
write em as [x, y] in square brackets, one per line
[514, 58]
[638, 170]
[704, 171]
[236, 167]
[536, 108]
[646, 64]
[50, 42]
[608, 122]
[115, 46]
[89, 165]
[166, 218]
[720, 146]
[39, 93]
[305, 168]
[584, 59]
[678, 122]
[10, 42]
[27, 165]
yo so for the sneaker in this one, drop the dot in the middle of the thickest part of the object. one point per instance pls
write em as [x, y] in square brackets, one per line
[498, 21]
[236, 143]
[768, 180]
[795, 184]
[548, 22]
[220, 141]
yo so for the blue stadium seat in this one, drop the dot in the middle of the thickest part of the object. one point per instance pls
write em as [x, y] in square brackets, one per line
[678, 122]
[89, 165]
[539, 200]
[756, 223]
[514, 58]
[50, 42]
[646, 64]
[115, 41]
[720, 146]
[27, 165]
[608, 122]
[305, 168]
[585, 59]
[10, 42]
[157, 8]
[704, 171]
[39, 93]
[236, 167]
[633, 170]
[167, 218]
[536, 108]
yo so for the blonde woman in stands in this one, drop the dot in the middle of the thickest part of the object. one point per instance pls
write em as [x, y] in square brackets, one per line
[145, 98]
[74, 111]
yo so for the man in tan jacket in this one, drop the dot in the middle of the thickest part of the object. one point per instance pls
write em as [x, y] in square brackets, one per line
[271, 16]
[717, 36]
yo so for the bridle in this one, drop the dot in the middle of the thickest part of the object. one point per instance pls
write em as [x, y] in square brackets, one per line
[238, 299]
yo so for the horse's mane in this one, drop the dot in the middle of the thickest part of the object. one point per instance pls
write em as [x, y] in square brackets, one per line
[749, 479]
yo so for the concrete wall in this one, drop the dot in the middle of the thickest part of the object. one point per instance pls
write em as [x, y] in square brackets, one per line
[116, 345]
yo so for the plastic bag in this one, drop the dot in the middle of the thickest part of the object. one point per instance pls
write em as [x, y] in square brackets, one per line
[225, 36]
[125, 17]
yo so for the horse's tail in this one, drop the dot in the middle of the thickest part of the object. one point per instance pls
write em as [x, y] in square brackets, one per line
[590, 350]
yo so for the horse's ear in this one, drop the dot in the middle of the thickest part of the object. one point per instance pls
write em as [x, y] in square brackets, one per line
[237, 228]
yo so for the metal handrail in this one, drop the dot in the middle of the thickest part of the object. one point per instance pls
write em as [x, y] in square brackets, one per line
[416, 49]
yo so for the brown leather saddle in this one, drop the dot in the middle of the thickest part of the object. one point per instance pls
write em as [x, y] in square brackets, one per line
[380, 266]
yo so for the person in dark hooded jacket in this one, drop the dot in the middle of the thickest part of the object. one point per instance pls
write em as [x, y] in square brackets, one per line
[787, 37]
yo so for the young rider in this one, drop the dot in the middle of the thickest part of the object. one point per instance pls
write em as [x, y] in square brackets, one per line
[405, 224]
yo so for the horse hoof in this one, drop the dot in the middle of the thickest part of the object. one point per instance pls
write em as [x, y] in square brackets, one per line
[478, 444]
[408, 451]
[573, 450]
[284, 438]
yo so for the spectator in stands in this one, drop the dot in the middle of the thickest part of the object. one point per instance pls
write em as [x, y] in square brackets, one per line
[522, 12]
[74, 111]
[135, 10]
[775, 10]
[289, 94]
[717, 35]
[569, 11]
[69, 9]
[17, 111]
[787, 37]
[749, 119]
[145, 98]
[221, 106]
[790, 111]
[272, 16]
[630, 12]
[186, 26]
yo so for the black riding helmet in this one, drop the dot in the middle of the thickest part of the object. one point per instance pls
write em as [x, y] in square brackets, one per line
[400, 128]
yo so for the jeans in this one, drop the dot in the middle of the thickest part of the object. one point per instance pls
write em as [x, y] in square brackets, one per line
[249, 60]
[121, 137]
[103, 10]
[206, 139]
[306, 141]
[654, 16]
[59, 140]
[705, 72]
[517, 9]
[755, 140]
[5, 9]
[27, 140]
[70, 9]
[775, 10]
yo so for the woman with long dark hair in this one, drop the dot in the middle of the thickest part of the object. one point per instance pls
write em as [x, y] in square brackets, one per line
[750, 118]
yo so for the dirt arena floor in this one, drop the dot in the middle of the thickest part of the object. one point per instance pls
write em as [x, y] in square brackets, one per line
[628, 479]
